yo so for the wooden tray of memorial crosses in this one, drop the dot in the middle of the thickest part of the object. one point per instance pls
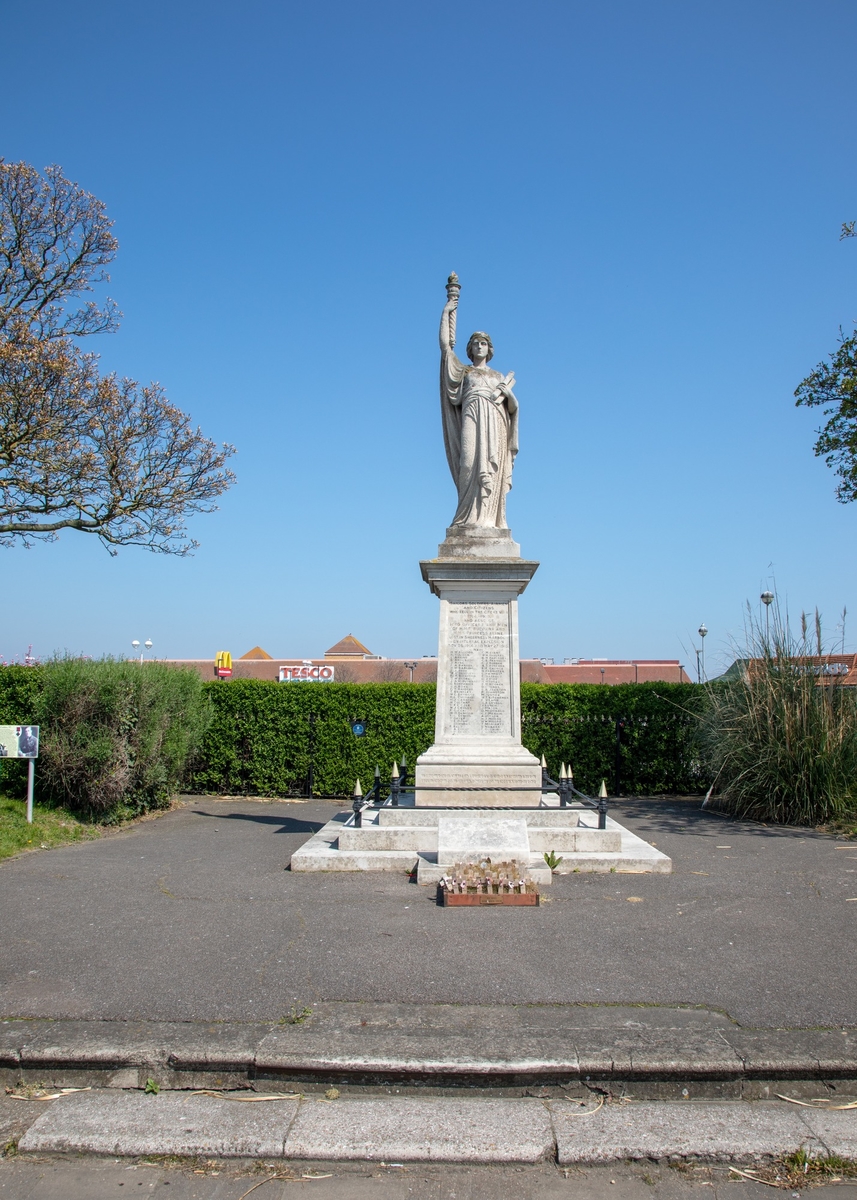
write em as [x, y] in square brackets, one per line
[469, 885]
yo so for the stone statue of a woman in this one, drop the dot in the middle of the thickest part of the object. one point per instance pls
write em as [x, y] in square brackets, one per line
[480, 429]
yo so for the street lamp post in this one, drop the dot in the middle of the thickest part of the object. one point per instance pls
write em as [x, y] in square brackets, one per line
[147, 644]
[411, 666]
[702, 631]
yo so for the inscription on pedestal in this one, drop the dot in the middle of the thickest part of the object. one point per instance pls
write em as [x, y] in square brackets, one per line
[479, 670]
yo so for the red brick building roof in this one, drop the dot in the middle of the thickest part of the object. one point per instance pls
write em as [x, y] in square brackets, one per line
[354, 668]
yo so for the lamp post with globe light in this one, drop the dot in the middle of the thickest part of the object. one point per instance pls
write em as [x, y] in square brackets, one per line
[767, 599]
[147, 644]
[702, 631]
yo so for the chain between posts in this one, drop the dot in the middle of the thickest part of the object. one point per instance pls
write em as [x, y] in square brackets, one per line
[568, 793]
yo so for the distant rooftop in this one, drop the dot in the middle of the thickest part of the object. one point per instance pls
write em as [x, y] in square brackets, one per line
[348, 647]
[257, 652]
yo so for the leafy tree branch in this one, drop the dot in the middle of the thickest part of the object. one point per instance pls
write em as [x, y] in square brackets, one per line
[832, 386]
[80, 450]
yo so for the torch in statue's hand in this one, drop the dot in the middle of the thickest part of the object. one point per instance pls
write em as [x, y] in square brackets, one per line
[453, 291]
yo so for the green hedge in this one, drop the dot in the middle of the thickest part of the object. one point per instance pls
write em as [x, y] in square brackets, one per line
[647, 733]
[257, 735]
[116, 738]
[20, 693]
[258, 742]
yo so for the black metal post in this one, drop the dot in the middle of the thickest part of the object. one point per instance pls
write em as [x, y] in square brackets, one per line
[563, 790]
[602, 812]
[395, 784]
[403, 772]
[376, 787]
[357, 806]
[617, 760]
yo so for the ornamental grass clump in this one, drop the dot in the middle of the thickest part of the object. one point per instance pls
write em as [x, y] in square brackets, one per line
[117, 737]
[781, 735]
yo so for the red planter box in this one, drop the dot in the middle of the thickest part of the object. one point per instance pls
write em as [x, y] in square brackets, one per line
[471, 900]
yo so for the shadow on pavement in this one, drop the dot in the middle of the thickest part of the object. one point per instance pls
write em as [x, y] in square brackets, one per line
[686, 815]
[286, 824]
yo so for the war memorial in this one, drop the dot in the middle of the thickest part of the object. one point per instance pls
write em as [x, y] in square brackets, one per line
[608, 1031]
[479, 795]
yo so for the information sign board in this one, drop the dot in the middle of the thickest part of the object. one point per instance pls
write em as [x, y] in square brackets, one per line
[19, 741]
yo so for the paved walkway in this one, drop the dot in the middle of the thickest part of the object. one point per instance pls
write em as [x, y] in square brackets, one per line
[192, 916]
[408, 1131]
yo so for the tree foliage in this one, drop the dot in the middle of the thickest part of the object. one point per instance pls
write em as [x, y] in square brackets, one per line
[78, 449]
[832, 386]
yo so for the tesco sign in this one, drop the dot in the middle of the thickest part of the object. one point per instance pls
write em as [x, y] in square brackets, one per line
[307, 673]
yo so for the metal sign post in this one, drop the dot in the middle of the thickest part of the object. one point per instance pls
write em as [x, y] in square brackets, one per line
[22, 741]
[31, 779]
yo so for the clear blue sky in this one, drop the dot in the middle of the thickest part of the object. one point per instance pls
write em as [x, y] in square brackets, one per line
[643, 202]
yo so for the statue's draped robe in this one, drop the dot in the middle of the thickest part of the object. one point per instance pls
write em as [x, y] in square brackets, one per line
[481, 439]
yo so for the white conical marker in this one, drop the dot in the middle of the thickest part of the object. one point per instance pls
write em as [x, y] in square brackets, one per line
[562, 771]
[358, 790]
[544, 763]
[602, 795]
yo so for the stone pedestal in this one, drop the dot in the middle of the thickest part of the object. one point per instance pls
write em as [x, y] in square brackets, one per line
[478, 715]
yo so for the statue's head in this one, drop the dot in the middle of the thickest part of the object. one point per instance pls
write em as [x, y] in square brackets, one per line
[479, 336]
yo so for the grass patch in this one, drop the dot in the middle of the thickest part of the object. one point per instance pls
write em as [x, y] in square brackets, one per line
[801, 1169]
[845, 827]
[50, 827]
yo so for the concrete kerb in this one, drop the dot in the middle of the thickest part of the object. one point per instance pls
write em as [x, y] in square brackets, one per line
[644, 1053]
[432, 1130]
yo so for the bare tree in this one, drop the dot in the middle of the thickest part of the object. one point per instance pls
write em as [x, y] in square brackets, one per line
[79, 450]
[389, 670]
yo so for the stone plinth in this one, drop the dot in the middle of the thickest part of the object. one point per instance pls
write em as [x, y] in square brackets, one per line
[399, 839]
[475, 541]
[478, 715]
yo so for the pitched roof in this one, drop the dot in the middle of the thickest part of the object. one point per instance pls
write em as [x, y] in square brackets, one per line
[256, 652]
[348, 645]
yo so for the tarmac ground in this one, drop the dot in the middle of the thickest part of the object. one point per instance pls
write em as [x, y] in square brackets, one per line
[193, 916]
[467, 1042]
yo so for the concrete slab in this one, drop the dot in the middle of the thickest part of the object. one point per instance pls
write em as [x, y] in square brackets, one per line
[131, 1123]
[837, 1131]
[404, 1130]
[429, 1129]
[727, 1131]
[389, 837]
[634, 856]
[571, 840]
[469, 838]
